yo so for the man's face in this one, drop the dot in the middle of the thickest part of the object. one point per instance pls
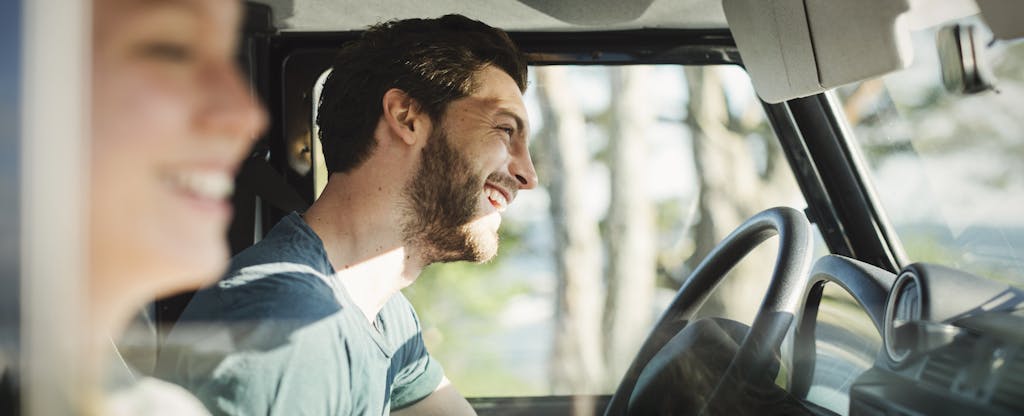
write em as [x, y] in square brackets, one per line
[473, 165]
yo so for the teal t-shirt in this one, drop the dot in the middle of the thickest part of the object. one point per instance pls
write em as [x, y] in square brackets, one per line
[279, 335]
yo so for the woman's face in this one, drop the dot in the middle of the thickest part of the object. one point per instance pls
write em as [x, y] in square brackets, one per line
[171, 120]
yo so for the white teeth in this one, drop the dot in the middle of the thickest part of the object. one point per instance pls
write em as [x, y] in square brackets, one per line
[497, 198]
[204, 184]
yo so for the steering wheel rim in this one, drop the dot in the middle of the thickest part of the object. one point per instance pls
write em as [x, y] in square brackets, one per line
[778, 308]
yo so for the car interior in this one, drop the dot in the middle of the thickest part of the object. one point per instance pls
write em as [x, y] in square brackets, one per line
[876, 269]
[950, 340]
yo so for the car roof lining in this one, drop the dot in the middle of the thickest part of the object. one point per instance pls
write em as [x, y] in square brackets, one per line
[520, 15]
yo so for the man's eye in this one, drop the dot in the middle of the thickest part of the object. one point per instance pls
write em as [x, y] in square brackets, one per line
[171, 52]
[508, 130]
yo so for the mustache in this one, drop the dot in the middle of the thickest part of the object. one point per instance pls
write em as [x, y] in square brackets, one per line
[506, 182]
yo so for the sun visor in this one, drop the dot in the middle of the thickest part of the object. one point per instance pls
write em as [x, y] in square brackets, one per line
[796, 48]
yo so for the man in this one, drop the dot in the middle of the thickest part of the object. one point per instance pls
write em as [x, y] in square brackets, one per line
[424, 129]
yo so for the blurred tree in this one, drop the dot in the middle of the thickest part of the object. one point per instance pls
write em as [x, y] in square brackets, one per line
[630, 228]
[732, 187]
[577, 362]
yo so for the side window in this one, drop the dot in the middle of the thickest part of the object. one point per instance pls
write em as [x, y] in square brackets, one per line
[643, 169]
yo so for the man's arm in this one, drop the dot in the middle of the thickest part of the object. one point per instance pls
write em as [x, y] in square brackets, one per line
[445, 400]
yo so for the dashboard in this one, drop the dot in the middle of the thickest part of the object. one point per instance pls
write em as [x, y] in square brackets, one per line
[953, 343]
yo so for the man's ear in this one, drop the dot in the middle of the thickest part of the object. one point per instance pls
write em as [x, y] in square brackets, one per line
[404, 116]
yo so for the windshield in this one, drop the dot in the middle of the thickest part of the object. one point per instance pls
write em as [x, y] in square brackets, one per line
[643, 170]
[946, 167]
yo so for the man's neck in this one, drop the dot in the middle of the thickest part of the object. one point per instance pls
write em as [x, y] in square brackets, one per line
[359, 222]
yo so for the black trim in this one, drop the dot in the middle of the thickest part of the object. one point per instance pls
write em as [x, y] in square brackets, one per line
[12, 193]
[819, 209]
[648, 46]
[826, 169]
[861, 174]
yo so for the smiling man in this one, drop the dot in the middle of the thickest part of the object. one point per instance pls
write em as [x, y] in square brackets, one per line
[423, 128]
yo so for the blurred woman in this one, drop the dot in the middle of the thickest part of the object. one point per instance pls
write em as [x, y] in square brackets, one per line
[171, 120]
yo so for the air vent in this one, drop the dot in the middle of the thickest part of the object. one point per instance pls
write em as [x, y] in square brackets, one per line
[943, 365]
[940, 370]
[1009, 391]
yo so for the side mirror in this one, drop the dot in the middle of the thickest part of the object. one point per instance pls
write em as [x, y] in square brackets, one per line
[965, 67]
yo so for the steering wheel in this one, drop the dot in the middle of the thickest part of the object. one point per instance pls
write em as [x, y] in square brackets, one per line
[754, 361]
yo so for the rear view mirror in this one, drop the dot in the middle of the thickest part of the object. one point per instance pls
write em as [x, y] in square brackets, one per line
[962, 57]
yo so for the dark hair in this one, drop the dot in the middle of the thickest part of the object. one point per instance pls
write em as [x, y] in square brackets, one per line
[432, 60]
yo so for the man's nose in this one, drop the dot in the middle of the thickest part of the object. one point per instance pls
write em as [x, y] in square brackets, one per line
[522, 169]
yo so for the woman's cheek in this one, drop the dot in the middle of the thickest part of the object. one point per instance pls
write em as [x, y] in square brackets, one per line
[162, 107]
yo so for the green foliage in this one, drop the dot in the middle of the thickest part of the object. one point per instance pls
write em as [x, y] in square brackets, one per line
[458, 304]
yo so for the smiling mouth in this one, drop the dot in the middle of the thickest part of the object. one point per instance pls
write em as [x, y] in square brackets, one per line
[214, 185]
[496, 197]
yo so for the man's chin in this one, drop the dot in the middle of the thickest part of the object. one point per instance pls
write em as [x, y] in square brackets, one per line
[484, 244]
[474, 256]
[485, 254]
[475, 245]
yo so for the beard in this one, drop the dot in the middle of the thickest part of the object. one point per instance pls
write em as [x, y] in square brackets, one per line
[443, 199]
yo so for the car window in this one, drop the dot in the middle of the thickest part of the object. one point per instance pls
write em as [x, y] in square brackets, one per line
[643, 169]
[947, 168]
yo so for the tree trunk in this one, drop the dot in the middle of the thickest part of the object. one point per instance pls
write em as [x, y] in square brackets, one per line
[577, 362]
[630, 223]
[731, 190]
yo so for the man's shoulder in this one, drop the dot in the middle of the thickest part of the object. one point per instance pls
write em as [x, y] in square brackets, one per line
[285, 275]
[255, 310]
[269, 291]
[269, 367]
[290, 241]
[401, 324]
[255, 324]
[399, 310]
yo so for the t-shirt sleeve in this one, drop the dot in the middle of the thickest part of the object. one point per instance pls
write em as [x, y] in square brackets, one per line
[299, 377]
[278, 382]
[422, 379]
[420, 374]
[281, 356]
